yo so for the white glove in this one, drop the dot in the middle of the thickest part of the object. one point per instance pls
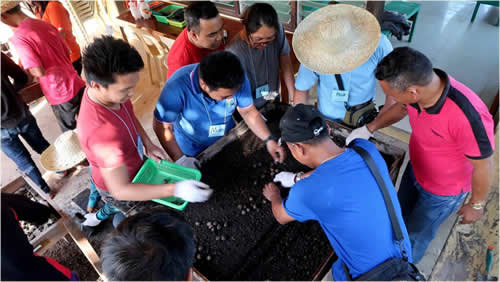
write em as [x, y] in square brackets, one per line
[361, 132]
[91, 220]
[192, 191]
[286, 178]
[188, 162]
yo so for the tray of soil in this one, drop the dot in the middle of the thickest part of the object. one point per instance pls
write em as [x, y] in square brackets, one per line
[237, 237]
[32, 230]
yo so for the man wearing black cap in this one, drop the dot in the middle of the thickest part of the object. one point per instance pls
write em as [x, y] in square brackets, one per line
[341, 194]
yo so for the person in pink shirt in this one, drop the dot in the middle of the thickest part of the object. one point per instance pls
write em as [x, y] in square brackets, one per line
[45, 55]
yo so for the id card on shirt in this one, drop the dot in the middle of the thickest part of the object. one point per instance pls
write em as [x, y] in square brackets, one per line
[216, 130]
[262, 91]
[140, 147]
[340, 95]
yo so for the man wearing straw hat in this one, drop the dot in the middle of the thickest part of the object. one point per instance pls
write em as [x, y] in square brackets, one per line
[112, 138]
[339, 47]
[45, 55]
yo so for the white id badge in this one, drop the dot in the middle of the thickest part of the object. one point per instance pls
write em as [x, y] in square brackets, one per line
[140, 147]
[216, 130]
[262, 91]
[340, 95]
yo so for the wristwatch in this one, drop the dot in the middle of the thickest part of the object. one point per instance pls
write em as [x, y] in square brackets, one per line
[298, 176]
[477, 206]
[271, 137]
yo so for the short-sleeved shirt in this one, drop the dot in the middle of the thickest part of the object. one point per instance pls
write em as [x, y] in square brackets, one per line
[261, 66]
[109, 138]
[56, 15]
[184, 104]
[39, 44]
[360, 83]
[184, 53]
[445, 136]
[344, 197]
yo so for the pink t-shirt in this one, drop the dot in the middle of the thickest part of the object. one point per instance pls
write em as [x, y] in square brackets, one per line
[109, 138]
[446, 136]
[39, 44]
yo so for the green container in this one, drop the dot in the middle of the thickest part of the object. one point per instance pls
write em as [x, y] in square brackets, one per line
[164, 16]
[165, 172]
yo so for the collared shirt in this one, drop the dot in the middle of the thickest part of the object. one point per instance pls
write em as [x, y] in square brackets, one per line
[39, 44]
[445, 136]
[344, 197]
[184, 53]
[360, 83]
[183, 103]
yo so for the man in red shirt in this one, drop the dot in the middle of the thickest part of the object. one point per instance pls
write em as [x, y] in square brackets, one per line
[111, 136]
[451, 144]
[203, 35]
[46, 56]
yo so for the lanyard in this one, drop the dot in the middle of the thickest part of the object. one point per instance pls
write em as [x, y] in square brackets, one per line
[203, 100]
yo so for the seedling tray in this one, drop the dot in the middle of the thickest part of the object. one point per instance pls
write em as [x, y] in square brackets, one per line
[165, 16]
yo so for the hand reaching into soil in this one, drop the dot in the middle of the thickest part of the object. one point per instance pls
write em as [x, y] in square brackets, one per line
[271, 192]
[277, 152]
[192, 191]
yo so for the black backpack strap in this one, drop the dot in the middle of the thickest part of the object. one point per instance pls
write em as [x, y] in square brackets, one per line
[396, 228]
[340, 83]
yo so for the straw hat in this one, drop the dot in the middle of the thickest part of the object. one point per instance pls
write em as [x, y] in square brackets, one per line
[336, 39]
[64, 154]
[7, 5]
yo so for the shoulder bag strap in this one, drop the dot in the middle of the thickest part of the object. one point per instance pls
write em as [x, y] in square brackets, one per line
[340, 83]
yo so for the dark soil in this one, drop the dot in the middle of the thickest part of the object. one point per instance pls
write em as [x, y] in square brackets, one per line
[68, 254]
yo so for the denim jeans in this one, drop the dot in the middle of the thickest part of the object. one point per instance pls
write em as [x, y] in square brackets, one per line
[95, 196]
[17, 152]
[423, 212]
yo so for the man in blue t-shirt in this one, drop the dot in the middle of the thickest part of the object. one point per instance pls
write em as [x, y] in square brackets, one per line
[196, 105]
[341, 194]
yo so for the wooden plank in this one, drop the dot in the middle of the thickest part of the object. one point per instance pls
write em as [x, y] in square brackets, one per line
[84, 245]
[49, 237]
[14, 185]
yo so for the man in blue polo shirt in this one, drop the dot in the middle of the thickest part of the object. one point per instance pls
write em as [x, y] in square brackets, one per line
[349, 82]
[196, 105]
[341, 194]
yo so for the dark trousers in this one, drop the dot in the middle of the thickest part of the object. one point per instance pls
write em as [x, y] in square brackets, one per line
[66, 112]
[15, 150]
[78, 66]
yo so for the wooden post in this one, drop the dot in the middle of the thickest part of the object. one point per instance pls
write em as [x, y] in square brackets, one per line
[376, 8]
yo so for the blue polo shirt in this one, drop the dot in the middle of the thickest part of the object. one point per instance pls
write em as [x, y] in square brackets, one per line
[183, 103]
[344, 197]
[360, 83]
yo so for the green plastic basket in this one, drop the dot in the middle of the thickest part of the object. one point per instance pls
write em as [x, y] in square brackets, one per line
[163, 16]
[165, 172]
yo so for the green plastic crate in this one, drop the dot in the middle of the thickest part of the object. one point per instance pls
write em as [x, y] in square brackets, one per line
[164, 14]
[152, 172]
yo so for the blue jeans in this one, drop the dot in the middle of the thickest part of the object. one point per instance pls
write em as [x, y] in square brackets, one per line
[15, 150]
[423, 212]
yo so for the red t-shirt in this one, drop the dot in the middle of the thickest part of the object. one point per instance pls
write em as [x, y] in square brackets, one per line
[184, 53]
[108, 137]
[445, 136]
[39, 44]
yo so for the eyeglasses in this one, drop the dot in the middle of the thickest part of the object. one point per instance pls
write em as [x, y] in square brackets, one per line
[259, 41]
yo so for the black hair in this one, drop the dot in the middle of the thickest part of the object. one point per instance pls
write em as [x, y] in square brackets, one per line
[106, 57]
[43, 6]
[404, 67]
[260, 14]
[14, 10]
[222, 69]
[156, 245]
[199, 10]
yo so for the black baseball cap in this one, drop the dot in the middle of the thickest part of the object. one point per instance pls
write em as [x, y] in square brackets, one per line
[302, 123]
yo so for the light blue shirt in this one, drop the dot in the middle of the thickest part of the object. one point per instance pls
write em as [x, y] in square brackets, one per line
[360, 83]
[192, 112]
